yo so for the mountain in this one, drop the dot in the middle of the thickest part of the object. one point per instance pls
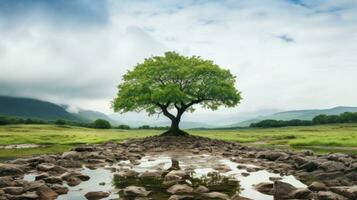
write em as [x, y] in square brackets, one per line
[297, 114]
[90, 115]
[33, 108]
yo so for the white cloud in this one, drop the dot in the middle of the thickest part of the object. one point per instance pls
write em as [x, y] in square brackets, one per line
[82, 67]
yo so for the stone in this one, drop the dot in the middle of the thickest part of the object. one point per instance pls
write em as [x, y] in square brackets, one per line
[265, 188]
[331, 166]
[69, 163]
[96, 195]
[328, 195]
[134, 191]
[238, 197]
[84, 149]
[347, 191]
[71, 155]
[174, 165]
[179, 189]
[46, 193]
[317, 186]
[215, 195]
[173, 177]
[13, 190]
[181, 197]
[272, 155]
[151, 174]
[201, 189]
[53, 180]
[73, 181]
[27, 196]
[10, 170]
[309, 166]
[6, 181]
[301, 193]
[59, 189]
[222, 168]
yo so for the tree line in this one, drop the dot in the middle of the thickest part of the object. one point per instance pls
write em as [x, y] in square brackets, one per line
[347, 117]
[98, 124]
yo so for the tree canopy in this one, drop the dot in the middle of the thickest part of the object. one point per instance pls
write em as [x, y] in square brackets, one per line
[174, 82]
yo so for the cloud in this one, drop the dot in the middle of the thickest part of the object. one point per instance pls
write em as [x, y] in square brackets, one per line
[285, 55]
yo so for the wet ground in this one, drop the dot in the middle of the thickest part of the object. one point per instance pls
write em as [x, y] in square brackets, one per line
[102, 179]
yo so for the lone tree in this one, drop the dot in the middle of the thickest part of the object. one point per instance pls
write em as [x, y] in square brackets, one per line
[172, 84]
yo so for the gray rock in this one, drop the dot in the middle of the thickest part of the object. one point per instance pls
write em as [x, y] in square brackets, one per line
[201, 189]
[317, 186]
[96, 195]
[265, 188]
[134, 191]
[59, 189]
[10, 170]
[347, 191]
[215, 195]
[283, 190]
[180, 189]
[13, 190]
[46, 193]
[181, 197]
[328, 195]
[331, 166]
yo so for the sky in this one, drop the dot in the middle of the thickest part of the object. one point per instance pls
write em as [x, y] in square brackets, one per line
[286, 54]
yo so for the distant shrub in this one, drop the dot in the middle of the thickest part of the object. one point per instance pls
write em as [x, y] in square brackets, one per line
[123, 126]
[60, 122]
[144, 127]
[101, 124]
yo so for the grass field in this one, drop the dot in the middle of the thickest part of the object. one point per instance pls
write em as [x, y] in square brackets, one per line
[326, 138]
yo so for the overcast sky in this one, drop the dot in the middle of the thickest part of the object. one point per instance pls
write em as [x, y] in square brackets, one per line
[286, 54]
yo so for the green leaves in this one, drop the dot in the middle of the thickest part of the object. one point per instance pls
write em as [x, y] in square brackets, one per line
[175, 81]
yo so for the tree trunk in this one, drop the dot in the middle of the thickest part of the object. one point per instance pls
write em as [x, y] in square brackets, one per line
[175, 129]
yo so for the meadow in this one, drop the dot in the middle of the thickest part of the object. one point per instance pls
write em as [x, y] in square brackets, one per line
[60, 138]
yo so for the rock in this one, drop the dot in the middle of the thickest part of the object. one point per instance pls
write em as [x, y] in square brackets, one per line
[84, 149]
[102, 183]
[309, 166]
[27, 196]
[41, 176]
[49, 167]
[179, 189]
[32, 186]
[327, 195]
[174, 165]
[201, 189]
[181, 197]
[53, 180]
[71, 155]
[127, 173]
[96, 195]
[301, 193]
[265, 188]
[59, 189]
[173, 177]
[6, 181]
[69, 163]
[215, 195]
[222, 168]
[134, 191]
[46, 193]
[331, 166]
[282, 190]
[275, 178]
[151, 174]
[347, 191]
[317, 186]
[10, 170]
[237, 197]
[73, 181]
[13, 190]
[272, 155]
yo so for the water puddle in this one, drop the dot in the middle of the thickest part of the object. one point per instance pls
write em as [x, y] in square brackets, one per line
[201, 167]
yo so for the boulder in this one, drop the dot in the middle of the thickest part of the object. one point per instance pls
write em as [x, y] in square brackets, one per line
[46, 193]
[201, 189]
[69, 163]
[222, 168]
[317, 186]
[328, 195]
[215, 195]
[134, 191]
[237, 197]
[180, 189]
[151, 174]
[347, 191]
[53, 180]
[301, 193]
[283, 190]
[96, 195]
[309, 166]
[27, 196]
[181, 197]
[265, 188]
[71, 155]
[174, 165]
[10, 170]
[272, 155]
[13, 190]
[331, 166]
[84, 149]
[59, 189]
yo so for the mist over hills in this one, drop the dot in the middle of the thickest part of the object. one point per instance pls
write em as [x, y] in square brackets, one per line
[297, 114]
[44, 110]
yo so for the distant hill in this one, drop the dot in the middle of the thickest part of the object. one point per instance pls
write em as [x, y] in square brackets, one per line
[90, 115]
[297, 114]
[33, 108]
[184, 124]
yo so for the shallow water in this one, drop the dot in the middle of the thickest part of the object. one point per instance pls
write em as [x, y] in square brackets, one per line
[202, 165]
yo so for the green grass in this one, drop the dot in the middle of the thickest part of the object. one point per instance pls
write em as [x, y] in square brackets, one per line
[325, 138]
